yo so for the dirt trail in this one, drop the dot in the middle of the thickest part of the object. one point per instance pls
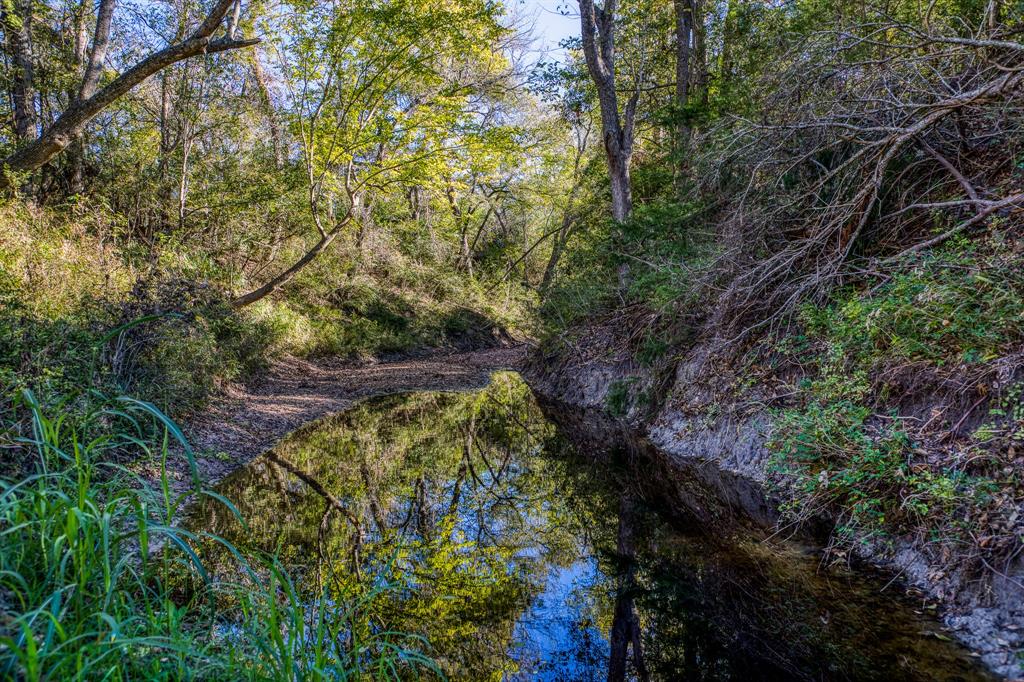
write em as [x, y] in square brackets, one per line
[246, 420]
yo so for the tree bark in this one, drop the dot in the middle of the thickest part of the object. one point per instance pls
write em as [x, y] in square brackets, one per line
[684, 16]
[561, 239]
[276, 138]
[98, 51]
[684, 32]
[994, 16]
[89, 62]
[17, 21]
[598, 34]
[699, 60]
[73, 121]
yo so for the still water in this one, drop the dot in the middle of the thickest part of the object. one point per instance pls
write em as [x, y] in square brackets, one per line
[516, 545]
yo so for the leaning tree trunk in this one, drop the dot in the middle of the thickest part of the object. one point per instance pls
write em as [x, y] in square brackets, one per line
[289, 274]
[76, 117]
[561, 239]
[326, 239]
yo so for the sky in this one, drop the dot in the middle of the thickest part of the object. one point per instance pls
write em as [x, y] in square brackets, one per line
[550, 25]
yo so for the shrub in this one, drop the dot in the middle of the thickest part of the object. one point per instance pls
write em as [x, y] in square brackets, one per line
[959, 306]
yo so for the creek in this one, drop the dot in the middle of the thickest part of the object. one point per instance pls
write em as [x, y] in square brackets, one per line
[510, 540]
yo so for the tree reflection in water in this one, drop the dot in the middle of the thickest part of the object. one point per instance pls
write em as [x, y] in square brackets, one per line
[515, 558]
[453, 498]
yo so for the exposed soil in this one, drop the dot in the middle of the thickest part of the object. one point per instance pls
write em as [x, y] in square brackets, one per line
[248, 419]
[701, 424]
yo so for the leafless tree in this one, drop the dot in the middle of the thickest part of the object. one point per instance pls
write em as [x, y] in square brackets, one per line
[857, 155]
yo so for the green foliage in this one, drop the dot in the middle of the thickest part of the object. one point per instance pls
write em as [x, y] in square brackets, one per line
[842, 458]
[956, 307]
[385, 126]
[182, 360]
[658, 250]
[586, 284]
[70, 321]
[658, 245]
[1005, 417]
[654, 346]
[619, 397]
[78, 314]
[394, 306]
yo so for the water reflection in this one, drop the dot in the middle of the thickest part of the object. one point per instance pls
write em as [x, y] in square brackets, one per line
[516, 559]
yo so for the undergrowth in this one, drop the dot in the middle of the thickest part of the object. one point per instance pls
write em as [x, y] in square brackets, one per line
[651, 260]
[956, 311]
[82, 307]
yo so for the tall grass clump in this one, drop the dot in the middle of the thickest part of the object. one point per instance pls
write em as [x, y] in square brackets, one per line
[99, 581]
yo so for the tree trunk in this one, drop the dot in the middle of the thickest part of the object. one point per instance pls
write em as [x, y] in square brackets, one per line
[684, 37]
[727, 65]
[598, 34]
[618, 171]
[994, 16]
[699, 60]
[76, 162]
[98, 52]
[163, 190]
[326, 239]
[183, 180]
[90, 75]
[289, 274]
[276, 138]
[561, 239]
[684, 31]
[77, 116]
[17, 22]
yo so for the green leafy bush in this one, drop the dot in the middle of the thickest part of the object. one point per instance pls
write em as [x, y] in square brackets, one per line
[956, 307]
[618, 398]
[861, 468]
